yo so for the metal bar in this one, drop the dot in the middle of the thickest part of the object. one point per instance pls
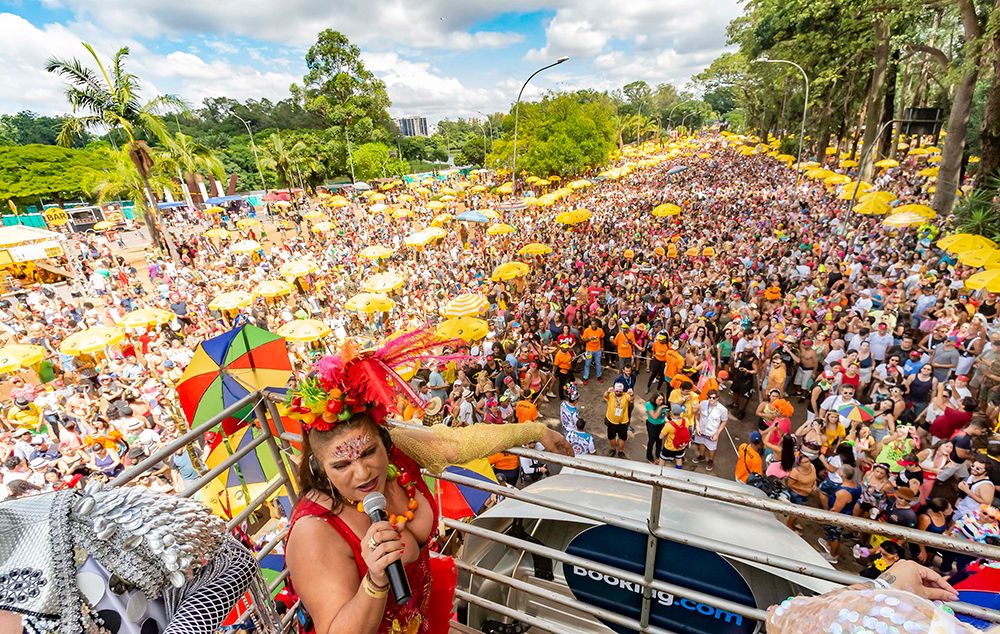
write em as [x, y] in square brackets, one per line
[682, 485]
[279, 425]
[534, 621]
[271, 544]
[290, 437]
[775, 561]
[655, 500]
[290, 615]
[254, 503]
[560, 556]
[557, 598]
[280, 579]
[260, 409]
[182, 440]
[214, 472]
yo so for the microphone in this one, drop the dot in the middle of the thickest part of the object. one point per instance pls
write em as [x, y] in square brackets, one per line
[374, 505]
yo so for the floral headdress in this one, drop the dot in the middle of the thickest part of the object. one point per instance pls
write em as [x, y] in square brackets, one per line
[362, 380]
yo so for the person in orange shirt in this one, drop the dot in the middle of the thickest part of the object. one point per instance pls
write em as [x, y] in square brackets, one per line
[593, 338]
[625, 343]
[563, 362]
[659, 348]
[507, 467]
[525, 410]
[673, 365]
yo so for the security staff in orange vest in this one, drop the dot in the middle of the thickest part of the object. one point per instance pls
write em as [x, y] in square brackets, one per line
[659, 348]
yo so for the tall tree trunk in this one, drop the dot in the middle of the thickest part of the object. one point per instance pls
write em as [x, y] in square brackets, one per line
[887, 144]
[954, 145]
[990, 137]
[873, 102]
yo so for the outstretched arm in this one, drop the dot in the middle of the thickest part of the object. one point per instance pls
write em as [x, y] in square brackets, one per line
[436, 447]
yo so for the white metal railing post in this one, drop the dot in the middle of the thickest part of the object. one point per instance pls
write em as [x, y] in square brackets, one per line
[655, 501]
[261, 411]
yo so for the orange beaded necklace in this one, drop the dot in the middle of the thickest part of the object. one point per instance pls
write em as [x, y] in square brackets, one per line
[410, 488]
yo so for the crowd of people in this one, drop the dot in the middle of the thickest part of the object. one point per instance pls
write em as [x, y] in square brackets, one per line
[862, 375]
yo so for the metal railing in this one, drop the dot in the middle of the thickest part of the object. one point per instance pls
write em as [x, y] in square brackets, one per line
[263, 408]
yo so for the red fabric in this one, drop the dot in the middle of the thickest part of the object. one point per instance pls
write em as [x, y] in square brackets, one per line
[949, 422]
[432, 598]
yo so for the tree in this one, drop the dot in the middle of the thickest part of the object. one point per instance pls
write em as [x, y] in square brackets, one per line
[111, 102]
[283, 158]
[33, 173]
[188, 158]
[119, 180]
[374, 160]
[29, 128]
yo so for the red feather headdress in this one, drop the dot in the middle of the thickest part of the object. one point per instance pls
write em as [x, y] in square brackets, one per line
[360, 380]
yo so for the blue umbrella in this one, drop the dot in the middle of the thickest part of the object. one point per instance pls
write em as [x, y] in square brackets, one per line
[472, 216]
[676, 170]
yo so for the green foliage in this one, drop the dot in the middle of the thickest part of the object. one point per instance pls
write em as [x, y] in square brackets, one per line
[979, 212]
[119, 180]
[560, 134]
[47, 172]
[26, 128]
[374, 160]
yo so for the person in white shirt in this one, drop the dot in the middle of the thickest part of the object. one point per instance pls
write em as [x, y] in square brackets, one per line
[880, 341]
[711, 421]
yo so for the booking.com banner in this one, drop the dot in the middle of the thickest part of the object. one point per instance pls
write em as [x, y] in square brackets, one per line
[678, 564]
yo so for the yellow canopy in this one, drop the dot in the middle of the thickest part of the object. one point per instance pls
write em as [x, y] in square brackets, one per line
[214, 210]
[298, 268]
[887, 163]
[467, 305]
[580, 183]
[377, 197]
[885, 197]
[323, 227]
[837, 179]
[847, 192]
[535, 248]
[383, 283]
[509, 271]
[436, 205]
[440, 219]
[958, 242]
[15, 356]
[338, 201]
[315, 214]
[273, 288]
[248, 223]
[419, 238]
[979, 257]
[369, 303]
[666, 209]
[218, 234]
[465, 328]
[375, 252]
[303, 330]
[573, 217]
[231, 300]
[848, 163]
[929, 172]
[506, 188]
[819, 173]
[872, 207]
[245, 246]
[401, 213]
[904, 219]
[988, 280]
[921, 210]
[500, 229]
[91, 340]
[378, 208]
[144, 317]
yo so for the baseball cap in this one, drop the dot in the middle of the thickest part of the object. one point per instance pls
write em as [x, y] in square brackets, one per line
[619, 387]
[755, 436]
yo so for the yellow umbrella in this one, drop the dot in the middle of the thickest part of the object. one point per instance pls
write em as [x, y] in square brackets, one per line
[887, 163]
[532, 179]
[885, 197]
[407, 198]
[91, 340]
[847, 192]
[465, 328]
[499, 229]
[435, 205]
[978, 257]
[806, 165]
[934, 159]
[231, 300]
[580, 184]
[103, 225]
[933, 149]
[15, 356]
[377, 197]
[904, 219]
[383, 283]
[665, 210]
[282, 203]
[423, 191]
[819, 173]
[872, 207]
[848, 163]
[273, 288]
[440, 219]
[837, 179]
[958, 242]
[467, 305]
[369, 303]
[478, 189]
[378, 208]
[490, 213]
[918, 151]
[974, 159]
[436, 233]
[573, 217]
[708, 252]
[399, 214]
[506, 188]
[535, 248]
[217, 233]
[555, 178]
[929, 172]
[323, 227]
[418, 239]
[509, 270]
[298, 268]
[303, 330]
[245, 246]
[338, 201]
[447, 198]
[375, 252]
[787, 159]
[247, 223]
[146, 317]
[315, 214]
[988, 280]
[213, 210]
[922, 210]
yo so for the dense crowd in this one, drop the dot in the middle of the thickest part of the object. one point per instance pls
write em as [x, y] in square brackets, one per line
[869, 376]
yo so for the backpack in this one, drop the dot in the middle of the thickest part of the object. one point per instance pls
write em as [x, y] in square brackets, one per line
[682, 435]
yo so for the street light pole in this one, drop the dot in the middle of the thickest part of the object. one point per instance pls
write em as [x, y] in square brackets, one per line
[805, 110]
[670, 113]
[489, 123]
[253, 146]
[517, 105]
[638, 120]
[485, 151]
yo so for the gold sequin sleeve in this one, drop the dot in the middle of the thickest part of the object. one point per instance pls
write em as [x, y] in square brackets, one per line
[434, 448]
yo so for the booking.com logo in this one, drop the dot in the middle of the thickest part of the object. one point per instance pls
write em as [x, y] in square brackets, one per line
[663, 598]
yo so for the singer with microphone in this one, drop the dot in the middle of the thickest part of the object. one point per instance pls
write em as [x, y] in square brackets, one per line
[358, 548]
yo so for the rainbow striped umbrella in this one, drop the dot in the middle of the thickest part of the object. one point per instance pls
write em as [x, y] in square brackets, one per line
[458, 501]
[856, 413]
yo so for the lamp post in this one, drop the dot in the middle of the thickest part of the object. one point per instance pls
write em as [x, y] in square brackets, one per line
[805, 110]
[489, 123]
[485, 151]
[517, 105]
[253, 146]
[638, 122]
[670, 113]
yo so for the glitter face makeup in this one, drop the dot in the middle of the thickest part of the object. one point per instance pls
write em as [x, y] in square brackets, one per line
[352, 449]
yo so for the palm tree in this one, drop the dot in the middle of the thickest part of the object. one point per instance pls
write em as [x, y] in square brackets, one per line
[283, 159]
[121, 181]
[188, 157]
[111, 102]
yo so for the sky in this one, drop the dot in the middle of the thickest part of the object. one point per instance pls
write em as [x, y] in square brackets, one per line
[438, 58]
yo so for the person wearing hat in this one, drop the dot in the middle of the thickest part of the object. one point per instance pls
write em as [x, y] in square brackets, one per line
[625, 345]
[24, 414]
[433, 412]
[675, 436]
[616, 418]
[593, 338]
[748, 457]
[23, 447]
[712, 419]
[466, 411]
[525, 411]
[659, 349]
[563, 366]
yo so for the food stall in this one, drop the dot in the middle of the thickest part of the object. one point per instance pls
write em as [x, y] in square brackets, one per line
[29, 255]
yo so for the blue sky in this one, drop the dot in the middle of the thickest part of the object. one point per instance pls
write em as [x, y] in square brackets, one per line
[438, 58]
